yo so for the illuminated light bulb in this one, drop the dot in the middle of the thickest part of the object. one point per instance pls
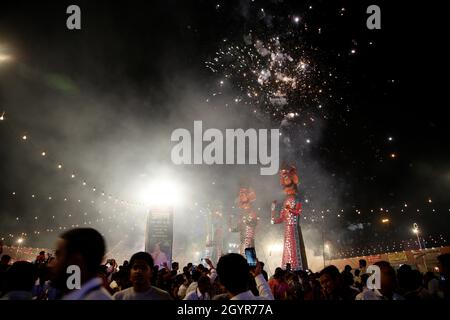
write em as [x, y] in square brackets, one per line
[24, 137]
[72, 176]
[43, 153]
[2, 117]
[14, 193]
[32, 196]
[429, 201]
[84, 183]
[393, 155]
[59, 166]
[296, 19]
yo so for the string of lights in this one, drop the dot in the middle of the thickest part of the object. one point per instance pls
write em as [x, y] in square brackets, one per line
[59, 165]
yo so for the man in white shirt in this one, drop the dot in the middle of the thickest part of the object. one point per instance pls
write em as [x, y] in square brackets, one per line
[203, 290]
[196, 274]
[234, 273]
[85, 248]
[141, 269]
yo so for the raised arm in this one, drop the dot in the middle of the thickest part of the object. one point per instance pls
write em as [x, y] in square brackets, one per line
[261, 283]
[275, 220]
[297, 210]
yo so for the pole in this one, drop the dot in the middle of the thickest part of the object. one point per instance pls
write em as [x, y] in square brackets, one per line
[418, 240]
[17, 252]
[424, 253]
[323, 248]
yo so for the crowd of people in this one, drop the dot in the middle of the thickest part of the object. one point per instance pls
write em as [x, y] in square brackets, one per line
[48, 278]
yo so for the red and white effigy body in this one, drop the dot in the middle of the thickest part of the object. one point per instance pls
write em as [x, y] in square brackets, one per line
[294, 247]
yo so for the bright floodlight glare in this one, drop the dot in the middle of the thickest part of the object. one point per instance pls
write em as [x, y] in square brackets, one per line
[5, 53]
[20, 240]
[4, 57]
[416, 231]
[278, 247]
[161, 192]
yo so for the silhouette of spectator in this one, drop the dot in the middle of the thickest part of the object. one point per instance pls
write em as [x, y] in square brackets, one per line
[333, 286]
[21, 277]
[85, 248]
[234, 273]
[444, 270]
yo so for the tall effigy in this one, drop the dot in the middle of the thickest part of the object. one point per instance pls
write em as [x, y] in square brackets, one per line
[294, 247]
[248, 219]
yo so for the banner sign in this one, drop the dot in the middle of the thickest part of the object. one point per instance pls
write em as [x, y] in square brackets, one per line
[159, 236]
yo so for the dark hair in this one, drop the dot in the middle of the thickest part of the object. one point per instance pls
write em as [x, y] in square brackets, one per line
[196, 274]
[233, 272]
[387, 267]
[362, 263]
[204, 280]
[147, 257]
[102, 270]
[89, 243]
[21, 276]
[357, 272]
[279, 273]
[6, 258]
[332, 271]
[179, 279]
[201, 268]
[444, 259]
[42, 252]
[364, 278]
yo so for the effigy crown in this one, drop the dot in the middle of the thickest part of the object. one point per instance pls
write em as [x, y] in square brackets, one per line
[291, 172]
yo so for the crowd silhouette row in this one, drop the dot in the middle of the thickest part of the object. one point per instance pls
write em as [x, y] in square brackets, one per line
[139, 278]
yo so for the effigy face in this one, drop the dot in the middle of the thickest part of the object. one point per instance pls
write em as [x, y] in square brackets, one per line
[289, 179]
[246, 196]
[286, 180]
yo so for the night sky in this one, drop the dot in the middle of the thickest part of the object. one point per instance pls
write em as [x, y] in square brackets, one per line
[367, 130]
